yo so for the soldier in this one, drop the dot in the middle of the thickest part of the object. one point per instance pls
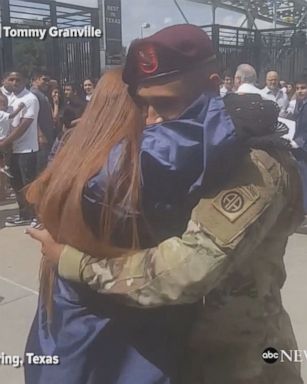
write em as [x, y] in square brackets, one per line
[231, 252]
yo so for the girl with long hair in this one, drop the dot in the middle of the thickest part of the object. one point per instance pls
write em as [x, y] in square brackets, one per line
[91, 198]
[56, 106]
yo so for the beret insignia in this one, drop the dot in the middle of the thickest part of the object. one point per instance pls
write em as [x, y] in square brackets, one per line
[148, 60]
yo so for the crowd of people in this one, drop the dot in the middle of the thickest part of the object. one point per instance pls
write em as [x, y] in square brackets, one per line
[34, 116]
[164, 219]
[285, 94]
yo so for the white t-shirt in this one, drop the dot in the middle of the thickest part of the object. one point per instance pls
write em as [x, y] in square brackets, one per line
[291, 107]
[280, 98]
[4, 124]
[28, 142]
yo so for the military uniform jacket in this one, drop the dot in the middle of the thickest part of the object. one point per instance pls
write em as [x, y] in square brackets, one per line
[231, 253]
[258, 209]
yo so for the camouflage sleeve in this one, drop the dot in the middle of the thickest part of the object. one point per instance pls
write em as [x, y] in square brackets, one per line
[224, 230]
[169, 273]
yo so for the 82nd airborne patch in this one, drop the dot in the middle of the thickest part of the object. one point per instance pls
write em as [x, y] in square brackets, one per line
[233, 203]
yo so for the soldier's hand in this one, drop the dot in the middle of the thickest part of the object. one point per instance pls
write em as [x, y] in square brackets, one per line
[50, 249]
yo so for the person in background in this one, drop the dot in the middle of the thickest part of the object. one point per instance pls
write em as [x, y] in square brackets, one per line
[5, 120]
[74, 106]
[54, 83]
[5, 116]
[55, 102]
[272, 91]
[6, 89]
[88, 88]
[245, 80]
[46, 125]
[299, 142]
[291, 93]
[23, 139]
[227, 84]
[283, 86]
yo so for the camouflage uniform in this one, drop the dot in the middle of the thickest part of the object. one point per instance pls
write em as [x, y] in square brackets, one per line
[232, 252]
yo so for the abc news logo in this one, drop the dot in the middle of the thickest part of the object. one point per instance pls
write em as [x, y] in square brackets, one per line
[271, 355]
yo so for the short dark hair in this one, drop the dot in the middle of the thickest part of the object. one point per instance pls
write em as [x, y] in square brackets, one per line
[75, 88]
[91, 79]
[15, 70]
[39, 72]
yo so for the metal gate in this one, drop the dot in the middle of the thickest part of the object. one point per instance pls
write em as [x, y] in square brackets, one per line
[78, 58]
[283, 49]
[67, 59]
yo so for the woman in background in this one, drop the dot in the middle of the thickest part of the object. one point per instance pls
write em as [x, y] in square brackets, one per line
[56, 106]
[88, 88]
[292, 100]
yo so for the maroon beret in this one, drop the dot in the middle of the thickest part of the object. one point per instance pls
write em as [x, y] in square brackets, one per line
[172, 50]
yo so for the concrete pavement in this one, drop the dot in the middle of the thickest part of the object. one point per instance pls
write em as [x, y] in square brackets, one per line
[19, 267]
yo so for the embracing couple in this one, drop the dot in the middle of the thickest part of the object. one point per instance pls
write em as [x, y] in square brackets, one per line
[165, 225]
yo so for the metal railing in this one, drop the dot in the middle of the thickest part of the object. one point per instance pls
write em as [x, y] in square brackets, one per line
[284, 49]
[66, 59]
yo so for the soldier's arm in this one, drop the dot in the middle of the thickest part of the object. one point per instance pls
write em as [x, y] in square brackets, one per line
[223, 231]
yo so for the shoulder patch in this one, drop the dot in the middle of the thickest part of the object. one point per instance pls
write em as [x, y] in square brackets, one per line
[234, 202]
[227, 216]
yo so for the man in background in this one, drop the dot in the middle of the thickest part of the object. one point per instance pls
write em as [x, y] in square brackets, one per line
[24, 142]
[228, 84]
[245, 79]
[74, 106]
[299, 142]
[6, 89]
[46, 127]
[272, 91]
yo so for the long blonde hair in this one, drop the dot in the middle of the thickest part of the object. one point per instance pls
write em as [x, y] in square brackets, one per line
[110, 118]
